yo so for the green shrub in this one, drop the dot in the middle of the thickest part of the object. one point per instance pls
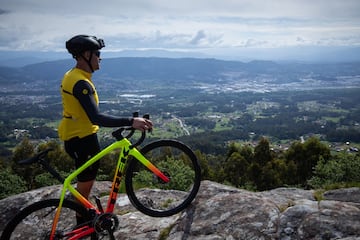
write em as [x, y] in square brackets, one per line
[341, 170]
[10, 184]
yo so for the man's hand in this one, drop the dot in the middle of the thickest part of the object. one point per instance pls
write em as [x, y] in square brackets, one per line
[142, 124]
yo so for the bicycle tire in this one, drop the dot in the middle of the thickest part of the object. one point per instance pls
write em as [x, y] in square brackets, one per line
[35, 220]
[177, 161]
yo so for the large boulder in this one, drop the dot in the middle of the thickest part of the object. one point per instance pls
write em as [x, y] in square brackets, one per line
[223, 212]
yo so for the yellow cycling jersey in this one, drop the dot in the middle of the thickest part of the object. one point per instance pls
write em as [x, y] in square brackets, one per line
[75, 122]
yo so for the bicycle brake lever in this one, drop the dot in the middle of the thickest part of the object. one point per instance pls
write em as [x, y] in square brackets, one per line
[147, 116]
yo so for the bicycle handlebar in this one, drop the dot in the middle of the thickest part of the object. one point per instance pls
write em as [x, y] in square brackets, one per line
[35, 158]
[118, 134]
[40, 158]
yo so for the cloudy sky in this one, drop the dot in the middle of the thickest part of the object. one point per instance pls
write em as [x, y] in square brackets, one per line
[208, 26]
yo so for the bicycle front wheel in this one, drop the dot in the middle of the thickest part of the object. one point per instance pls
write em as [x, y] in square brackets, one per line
[35, 221]
[149, 194]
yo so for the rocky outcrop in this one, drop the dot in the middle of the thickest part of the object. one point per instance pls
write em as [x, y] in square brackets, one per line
[222, 212]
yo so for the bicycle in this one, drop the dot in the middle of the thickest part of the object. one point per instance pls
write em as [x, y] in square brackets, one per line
[163, 165]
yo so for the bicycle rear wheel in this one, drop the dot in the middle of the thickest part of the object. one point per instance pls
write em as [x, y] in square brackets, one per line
[35, 220]
[151, 195]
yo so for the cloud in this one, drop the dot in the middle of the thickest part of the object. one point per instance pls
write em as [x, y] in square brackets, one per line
[2, 11]
[200, 35]
[202, 24]
[300, 40]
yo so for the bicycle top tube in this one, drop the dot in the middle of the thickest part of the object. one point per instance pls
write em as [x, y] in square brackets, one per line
[118, 145]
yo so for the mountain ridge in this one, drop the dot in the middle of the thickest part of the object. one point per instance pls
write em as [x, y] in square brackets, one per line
[182, 70]
[309, 54]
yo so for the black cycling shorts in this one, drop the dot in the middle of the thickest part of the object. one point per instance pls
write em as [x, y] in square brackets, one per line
[81, 150]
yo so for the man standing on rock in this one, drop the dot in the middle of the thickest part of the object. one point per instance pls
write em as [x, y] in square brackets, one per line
[81, 116]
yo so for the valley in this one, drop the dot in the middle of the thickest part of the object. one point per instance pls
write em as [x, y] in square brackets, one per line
[210, 101]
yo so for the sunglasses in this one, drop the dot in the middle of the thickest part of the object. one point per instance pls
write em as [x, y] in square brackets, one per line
[97, 53]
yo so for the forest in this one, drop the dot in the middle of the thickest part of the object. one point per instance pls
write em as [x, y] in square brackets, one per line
[309, 165]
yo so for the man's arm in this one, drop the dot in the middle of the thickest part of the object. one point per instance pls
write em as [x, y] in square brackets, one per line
[85, 94]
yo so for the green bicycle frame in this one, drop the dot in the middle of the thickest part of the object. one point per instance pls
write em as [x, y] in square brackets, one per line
[126, 149]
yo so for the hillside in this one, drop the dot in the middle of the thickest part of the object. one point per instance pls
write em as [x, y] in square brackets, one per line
[206, 94]
[222, 212]
[189, 71]
[217, 100]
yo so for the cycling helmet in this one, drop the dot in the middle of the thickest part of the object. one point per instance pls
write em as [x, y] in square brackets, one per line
[81, 43]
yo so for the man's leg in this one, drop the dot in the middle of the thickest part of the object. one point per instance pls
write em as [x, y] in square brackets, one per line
[81, 149]
[85, 188]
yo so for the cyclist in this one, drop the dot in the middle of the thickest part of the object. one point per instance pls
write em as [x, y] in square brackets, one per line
[81, 116]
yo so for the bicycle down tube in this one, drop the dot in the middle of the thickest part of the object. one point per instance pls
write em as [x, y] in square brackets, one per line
[126, 149]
